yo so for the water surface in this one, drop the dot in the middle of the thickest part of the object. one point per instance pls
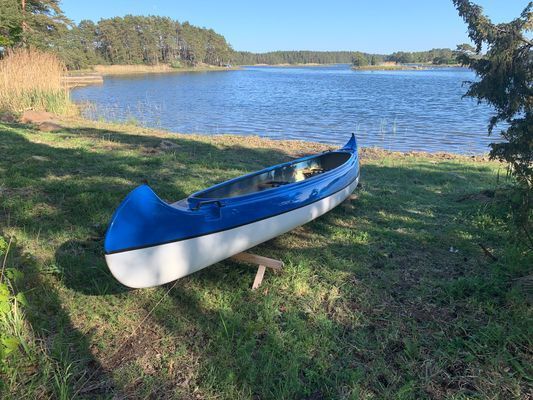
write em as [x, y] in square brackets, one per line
[397, 110]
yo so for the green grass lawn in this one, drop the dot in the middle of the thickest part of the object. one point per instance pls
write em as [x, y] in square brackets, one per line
[389, 296]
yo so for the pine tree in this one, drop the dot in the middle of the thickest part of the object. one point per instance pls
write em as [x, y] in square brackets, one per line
[10, 22]
[505, 74]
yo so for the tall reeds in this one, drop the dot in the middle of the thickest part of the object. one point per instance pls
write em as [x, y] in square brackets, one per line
[131, 69]
[32, 79]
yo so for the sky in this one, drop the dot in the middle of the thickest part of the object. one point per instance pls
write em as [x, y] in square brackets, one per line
[373, 26]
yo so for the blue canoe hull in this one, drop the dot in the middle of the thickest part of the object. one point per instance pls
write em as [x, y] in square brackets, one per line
[146, 228]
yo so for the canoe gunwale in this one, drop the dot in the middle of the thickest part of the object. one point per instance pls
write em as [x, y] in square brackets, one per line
[198, 195]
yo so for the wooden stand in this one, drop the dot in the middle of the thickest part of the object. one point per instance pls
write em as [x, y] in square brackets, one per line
[261, 262]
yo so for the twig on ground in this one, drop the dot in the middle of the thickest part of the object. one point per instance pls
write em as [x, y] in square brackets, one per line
[5, 259]
[487, 252]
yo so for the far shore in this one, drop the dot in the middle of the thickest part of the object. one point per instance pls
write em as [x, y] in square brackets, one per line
[294, 65]
[125, 69]
[404, 67]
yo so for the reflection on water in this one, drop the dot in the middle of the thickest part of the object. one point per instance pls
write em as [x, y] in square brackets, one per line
[397, 110]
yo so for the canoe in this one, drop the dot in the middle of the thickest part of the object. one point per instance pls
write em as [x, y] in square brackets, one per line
[150, 242]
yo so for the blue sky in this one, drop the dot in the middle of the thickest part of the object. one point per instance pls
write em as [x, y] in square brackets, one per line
[375, 26]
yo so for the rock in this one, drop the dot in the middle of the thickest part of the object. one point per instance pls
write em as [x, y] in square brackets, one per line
[32, 117]
[40, 158]
[49, 126]
[168, 145]
[7, 117]
[44, 121]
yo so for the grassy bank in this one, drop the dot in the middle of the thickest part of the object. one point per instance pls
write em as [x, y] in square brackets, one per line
[296, 65]
[401, 67]
[387, 296]
[147, 69]
[388, 68]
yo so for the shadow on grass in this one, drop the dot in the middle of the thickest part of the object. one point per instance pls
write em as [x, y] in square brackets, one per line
[357, 312]
[54, 349]
[61, 195]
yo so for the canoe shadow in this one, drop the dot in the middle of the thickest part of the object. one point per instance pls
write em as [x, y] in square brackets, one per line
[83, 268]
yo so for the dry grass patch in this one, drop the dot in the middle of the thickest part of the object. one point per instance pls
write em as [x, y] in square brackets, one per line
[31, 79]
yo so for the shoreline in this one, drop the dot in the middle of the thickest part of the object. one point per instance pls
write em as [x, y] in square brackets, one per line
[266, 142]
[286, 65]
[124, 69]
[420, 67]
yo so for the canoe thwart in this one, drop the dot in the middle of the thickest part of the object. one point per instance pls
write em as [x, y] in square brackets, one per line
[261, 262]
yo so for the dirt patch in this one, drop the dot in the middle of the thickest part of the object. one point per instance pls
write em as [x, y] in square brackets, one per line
[167, 145]
[483, 196]
[146, 341]
[8, 117]
[49, 126]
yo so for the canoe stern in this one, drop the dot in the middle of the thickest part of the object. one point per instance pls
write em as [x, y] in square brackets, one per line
[142, 219]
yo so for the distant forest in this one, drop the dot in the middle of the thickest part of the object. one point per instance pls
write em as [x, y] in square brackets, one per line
[433, 56]
[293, 57]
[120, 40]
[153, 40]
[142, 40]
[357, 58]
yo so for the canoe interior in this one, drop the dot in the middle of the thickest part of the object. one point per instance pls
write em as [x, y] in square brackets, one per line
[283, 175]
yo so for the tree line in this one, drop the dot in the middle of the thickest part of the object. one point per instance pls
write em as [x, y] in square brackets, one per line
[143, 40]
[357, 58]
[433, 56]
[120, 40]
[293, 57]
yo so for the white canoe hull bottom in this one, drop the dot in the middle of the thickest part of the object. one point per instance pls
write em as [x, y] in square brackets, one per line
[157, 265]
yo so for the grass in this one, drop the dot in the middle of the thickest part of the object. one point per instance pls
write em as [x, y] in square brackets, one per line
[402, 67]
[387, 68]
[120, 69]
[31, 79]
[387, 296]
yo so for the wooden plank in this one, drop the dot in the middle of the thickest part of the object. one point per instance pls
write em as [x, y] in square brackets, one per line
[259, 277]
[259, 260]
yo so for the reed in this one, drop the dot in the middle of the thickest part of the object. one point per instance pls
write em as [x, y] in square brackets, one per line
[124, 69]
[119, 69]
[32, 79]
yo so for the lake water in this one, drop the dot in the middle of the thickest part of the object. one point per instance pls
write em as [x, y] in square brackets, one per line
[397, 110]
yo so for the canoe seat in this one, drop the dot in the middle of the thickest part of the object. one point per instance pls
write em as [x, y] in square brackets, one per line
[271, 184]
[282, 175]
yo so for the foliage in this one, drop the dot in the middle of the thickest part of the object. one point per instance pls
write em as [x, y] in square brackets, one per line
[31, 79]
[360, 59]
[433, 56]
[142, 40]
[120, 40]
[10, 22]
[505, 82]
[31, 22]
[293, 57]
[505, 72]
[9, 303]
